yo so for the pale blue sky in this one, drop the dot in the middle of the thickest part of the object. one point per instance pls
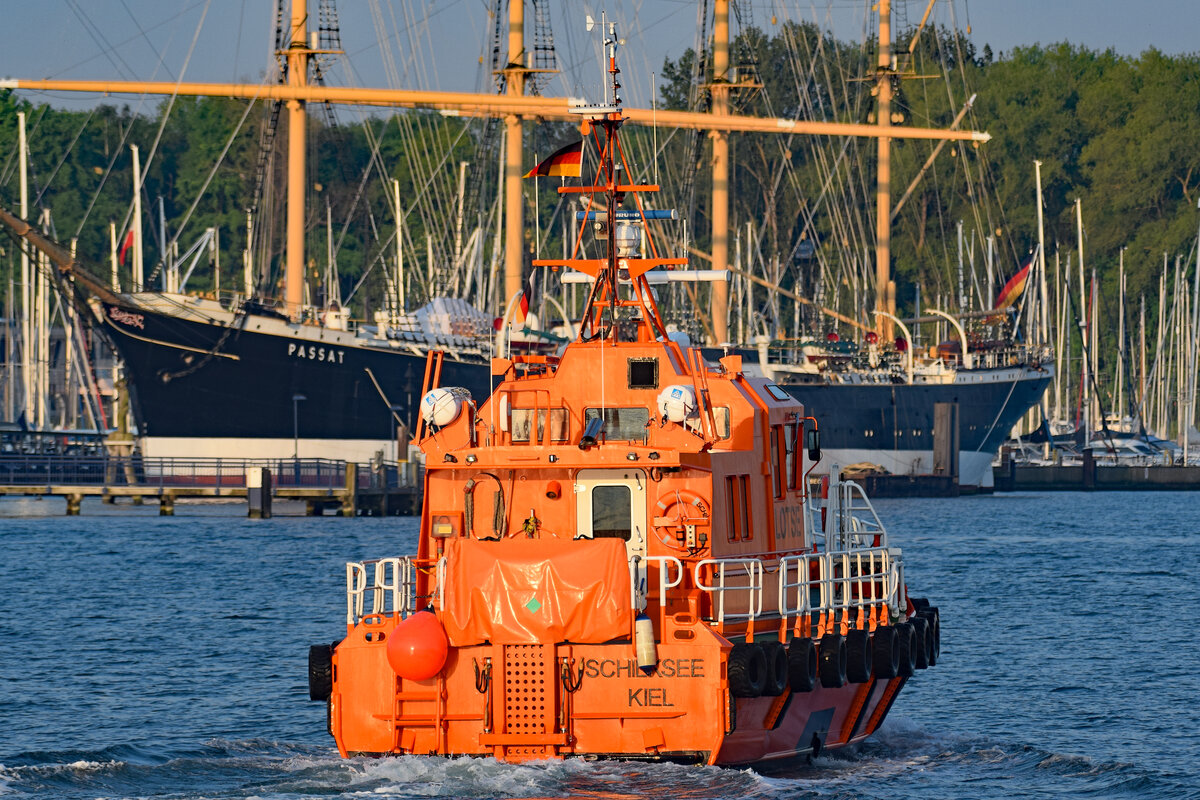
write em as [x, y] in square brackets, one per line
[438, 44]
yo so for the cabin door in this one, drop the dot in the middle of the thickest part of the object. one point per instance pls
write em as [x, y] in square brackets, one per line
[611, 503]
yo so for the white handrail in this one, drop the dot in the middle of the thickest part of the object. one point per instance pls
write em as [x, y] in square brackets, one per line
[663, 571]
[439, 590]
[802, 585]
[390, 582]
[753, 569]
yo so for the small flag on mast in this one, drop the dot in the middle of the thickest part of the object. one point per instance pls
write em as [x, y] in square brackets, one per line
[125, 245]
[564, 162]
[1012, 290]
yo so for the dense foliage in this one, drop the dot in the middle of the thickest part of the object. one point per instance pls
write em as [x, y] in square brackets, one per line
[1121, 134]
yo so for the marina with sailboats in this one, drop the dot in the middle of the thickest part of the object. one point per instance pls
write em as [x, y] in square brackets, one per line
[209, 376]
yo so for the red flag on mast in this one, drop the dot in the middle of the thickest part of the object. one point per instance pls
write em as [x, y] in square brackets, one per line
[564, 162]
[125, 245]
[1012, 290]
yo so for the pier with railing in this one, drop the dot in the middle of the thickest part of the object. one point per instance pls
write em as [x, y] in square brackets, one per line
[346, 488]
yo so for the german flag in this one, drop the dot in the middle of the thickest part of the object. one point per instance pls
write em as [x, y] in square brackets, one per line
[564, 162]
[1012, 290]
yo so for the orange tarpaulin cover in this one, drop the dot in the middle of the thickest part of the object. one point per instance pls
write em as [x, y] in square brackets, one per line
[526, 591]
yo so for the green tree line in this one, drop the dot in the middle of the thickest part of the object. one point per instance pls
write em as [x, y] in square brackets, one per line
[1121, 134]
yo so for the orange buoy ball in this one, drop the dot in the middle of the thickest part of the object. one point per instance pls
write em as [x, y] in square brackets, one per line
[417, 647]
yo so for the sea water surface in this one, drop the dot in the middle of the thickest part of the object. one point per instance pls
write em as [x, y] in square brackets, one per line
[159, 657]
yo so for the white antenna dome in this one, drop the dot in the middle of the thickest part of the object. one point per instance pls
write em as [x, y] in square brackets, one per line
[678, 403]
[441, 406]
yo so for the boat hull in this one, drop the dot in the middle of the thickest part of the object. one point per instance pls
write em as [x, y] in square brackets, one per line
[892, 425]
[562, 700]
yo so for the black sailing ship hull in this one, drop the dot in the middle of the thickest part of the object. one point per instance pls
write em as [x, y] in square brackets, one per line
[892, 425]
[253, 386]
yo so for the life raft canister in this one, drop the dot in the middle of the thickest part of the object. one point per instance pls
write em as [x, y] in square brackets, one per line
[417, 647]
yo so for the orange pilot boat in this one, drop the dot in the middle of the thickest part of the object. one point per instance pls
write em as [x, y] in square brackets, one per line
[621, 555]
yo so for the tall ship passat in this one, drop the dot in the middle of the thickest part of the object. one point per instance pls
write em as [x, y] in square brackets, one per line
[619, 553]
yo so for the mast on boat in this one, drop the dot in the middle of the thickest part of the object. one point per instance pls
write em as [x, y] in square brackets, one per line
[298, 55]
[885, 289]
[720, 168]
[515, 74]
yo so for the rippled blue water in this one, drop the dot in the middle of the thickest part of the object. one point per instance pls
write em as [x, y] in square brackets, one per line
[158, 657]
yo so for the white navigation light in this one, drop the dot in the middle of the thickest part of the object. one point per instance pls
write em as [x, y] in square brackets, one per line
[678, 403]
[441, 406]
[627, 237]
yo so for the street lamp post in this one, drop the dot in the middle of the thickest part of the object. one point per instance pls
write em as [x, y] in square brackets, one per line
[394, 415]
[296, 398]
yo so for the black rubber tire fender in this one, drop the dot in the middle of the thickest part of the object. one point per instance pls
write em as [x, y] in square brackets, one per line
[777, 669]
[906, 649]
[320, 671]
[923, 640]
[802, 664]
[832, 652]
[931, 614]
[885, 660]
[858, 656]
[747, 670]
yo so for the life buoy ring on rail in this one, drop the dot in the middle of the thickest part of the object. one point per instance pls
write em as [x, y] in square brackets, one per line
[676, 510]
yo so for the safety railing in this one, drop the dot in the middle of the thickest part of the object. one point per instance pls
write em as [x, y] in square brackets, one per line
[816, 592]
[857, 588]
[640, 591]
[848, 520]
[380, 586]
[796, 594]
[17, 469]
[742, 577]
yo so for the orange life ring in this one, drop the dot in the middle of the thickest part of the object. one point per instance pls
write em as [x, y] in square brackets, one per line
[677, 508]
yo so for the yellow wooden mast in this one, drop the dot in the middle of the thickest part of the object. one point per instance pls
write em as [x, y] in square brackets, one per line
[514, 206]
[720, 171]
[298, 55]
[885, 289]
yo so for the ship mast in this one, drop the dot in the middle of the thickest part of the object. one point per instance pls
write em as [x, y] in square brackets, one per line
[515, 74]
[885, 289]
[298, 55]
[720, 172]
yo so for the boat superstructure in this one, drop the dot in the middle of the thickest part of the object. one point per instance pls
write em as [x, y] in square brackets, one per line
[620, 554]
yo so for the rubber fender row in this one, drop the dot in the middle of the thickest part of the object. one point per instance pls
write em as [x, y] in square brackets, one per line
[320, 671]
[757, 670]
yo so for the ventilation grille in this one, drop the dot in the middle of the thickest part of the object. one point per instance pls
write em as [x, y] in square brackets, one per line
[525, 690]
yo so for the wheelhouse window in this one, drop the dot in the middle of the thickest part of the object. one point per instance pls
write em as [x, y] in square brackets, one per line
[612, 512]
[778, 393]
[747, 519]
[732, 503]
[791, 433]
[522, 424]
[721, 418]
[776, 468]
[627, 424]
